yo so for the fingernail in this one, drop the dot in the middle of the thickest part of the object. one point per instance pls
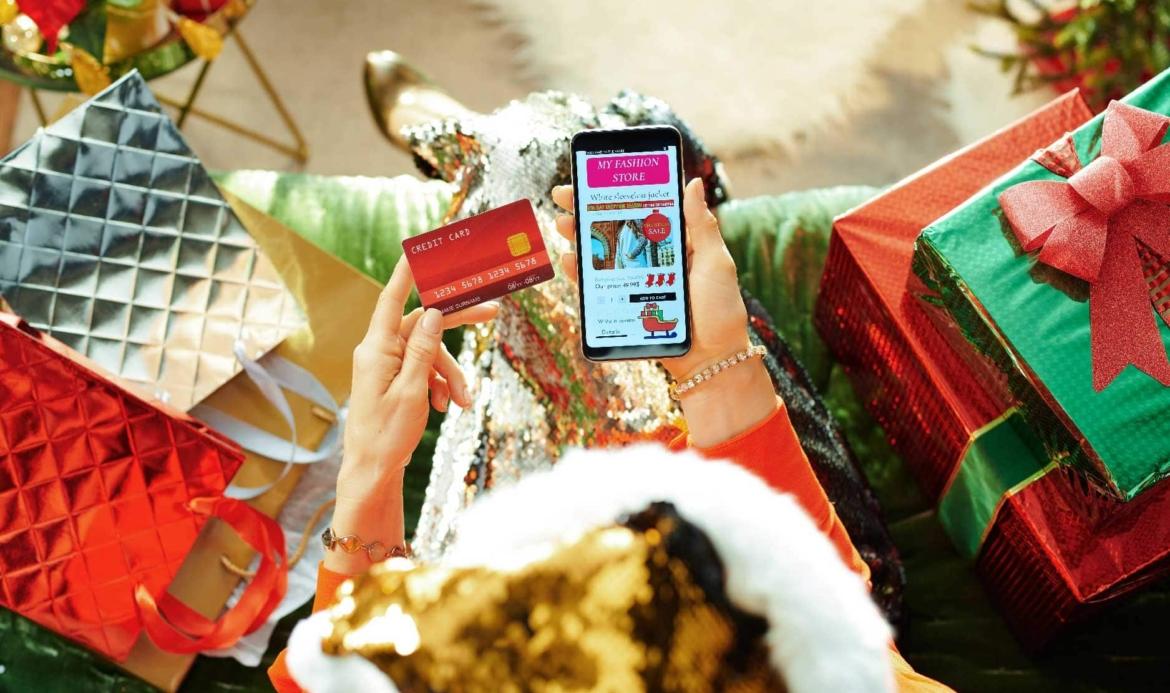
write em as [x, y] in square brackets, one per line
[432, 321]
[464, 396]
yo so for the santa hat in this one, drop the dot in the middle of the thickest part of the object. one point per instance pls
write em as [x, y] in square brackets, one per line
[820, 629]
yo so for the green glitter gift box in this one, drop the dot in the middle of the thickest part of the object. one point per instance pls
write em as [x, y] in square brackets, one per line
[1061, 283]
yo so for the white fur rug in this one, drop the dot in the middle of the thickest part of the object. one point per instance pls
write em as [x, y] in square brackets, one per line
[871, 88]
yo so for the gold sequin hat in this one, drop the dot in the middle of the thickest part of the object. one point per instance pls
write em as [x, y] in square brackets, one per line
[623, 570]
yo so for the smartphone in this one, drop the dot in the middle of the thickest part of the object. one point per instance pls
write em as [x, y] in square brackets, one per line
[631, 243]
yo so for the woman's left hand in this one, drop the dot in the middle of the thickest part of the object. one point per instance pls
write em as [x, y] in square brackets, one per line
[398, 368]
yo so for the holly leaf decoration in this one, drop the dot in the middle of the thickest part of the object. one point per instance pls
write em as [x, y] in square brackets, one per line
[88, 30]
[51, 15]
[1105, 47]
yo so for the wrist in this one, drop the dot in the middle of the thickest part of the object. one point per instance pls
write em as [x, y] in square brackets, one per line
[730, 403]
[373, 514]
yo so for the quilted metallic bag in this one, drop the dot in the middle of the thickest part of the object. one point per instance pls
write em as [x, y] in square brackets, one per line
[114, 240]
[102, 495]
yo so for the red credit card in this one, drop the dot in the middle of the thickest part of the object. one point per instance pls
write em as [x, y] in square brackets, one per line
[479, 258]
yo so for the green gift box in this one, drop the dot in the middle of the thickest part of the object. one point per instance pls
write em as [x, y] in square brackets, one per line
[1022, 303]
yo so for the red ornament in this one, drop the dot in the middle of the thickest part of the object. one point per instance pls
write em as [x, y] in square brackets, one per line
[50, 16]
[656, 227]
[197, 9]
[1091, 225]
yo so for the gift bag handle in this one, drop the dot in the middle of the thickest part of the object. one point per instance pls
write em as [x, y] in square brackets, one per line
[176, 627]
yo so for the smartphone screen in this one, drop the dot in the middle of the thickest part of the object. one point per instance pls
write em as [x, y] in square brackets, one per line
[631, 243]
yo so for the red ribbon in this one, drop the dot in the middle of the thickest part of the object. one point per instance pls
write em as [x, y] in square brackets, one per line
[1089, 226]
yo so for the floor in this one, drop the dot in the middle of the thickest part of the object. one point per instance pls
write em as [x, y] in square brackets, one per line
[314, 53]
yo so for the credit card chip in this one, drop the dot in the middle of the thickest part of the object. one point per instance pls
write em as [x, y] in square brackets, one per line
[518, 244]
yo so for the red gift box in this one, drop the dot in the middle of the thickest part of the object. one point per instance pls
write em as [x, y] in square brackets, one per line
[1055, 549]
[102, 495]
[928, 396]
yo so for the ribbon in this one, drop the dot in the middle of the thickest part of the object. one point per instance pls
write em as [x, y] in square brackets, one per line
[1001, 459]
[1096, 224]
[272, 375]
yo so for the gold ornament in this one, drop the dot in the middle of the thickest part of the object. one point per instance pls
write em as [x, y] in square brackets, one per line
[21, 35]
[205, 41]
[617, 610]
[234, 9]
[8, 11]
[91, 76]
[132, 30]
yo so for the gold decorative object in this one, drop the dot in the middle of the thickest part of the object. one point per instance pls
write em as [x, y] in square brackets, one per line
[89, 73]
[400, 96]
[21, 35]
[141, 38]
[132, 30]
[205, 41]
[8, 11]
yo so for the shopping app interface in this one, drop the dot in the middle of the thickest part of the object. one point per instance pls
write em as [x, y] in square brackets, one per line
[632, 277]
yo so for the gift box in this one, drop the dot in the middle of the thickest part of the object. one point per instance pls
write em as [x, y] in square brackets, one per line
[920, 389]
[1055, 274]
[1048, 547]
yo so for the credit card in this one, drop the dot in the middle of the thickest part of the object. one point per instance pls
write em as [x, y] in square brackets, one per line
[479, 258]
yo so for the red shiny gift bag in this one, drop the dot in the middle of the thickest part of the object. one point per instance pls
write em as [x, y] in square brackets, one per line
[102, 495]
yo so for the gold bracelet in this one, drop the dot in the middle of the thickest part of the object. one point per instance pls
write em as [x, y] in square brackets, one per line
[677, 390]
[351, 543]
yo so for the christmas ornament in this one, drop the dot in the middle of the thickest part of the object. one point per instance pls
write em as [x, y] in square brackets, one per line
[8, 11]
[91, 76]
[205, 41]
[21, 35]
[1105, 47]
[656, 227]
[51, 16]
[147, 35]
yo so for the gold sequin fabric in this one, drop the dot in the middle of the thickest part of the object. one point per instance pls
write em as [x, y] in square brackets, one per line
[636, 606]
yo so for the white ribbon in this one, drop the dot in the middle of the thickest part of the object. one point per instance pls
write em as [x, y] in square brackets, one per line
[273, 375]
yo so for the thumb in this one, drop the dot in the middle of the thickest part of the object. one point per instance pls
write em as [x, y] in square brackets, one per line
[702, 226]
[422, 348]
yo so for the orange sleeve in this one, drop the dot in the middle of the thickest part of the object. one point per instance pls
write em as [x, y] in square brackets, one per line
[772, 451]
[327, 584]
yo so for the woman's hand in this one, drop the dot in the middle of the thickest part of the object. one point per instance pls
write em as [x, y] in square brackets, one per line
[398, 368]
[719, 327]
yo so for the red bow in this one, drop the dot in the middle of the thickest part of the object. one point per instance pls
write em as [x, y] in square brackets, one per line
[1090, 225]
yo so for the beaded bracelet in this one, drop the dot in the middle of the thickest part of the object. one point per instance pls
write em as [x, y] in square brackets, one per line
[677, 390]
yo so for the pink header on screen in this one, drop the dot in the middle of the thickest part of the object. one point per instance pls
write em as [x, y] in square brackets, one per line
[636, 169]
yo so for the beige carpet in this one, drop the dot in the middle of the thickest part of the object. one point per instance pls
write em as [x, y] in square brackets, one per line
[922, 92]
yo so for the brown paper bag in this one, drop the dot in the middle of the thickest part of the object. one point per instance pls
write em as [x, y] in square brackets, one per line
[337, 301]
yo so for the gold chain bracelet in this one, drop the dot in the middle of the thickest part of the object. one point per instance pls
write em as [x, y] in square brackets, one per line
[351, 543]
[677, 390]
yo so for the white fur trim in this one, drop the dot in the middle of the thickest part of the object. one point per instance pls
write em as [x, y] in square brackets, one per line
[825, 633]
[315, 671]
